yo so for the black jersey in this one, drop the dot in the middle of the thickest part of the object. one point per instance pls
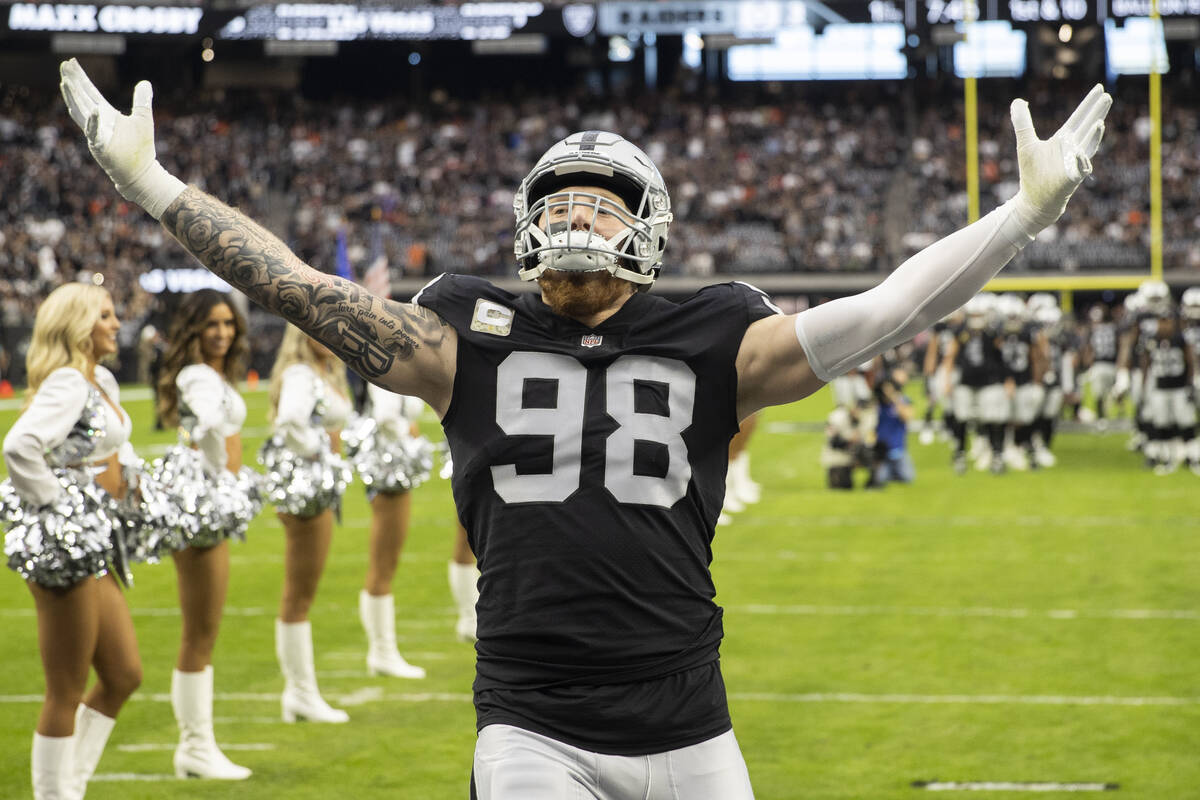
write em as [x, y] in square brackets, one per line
[978, 359]
[1016, 348]
[589, 471]
[1191, 335]
[1103, 341]
[1058, 343]
[1168, 361]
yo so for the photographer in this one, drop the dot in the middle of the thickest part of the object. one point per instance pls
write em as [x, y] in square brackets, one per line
[893, 462]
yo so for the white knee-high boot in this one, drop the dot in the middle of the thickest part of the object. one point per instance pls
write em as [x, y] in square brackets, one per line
[92, 730]
[197, 755]
[301, 698]
[51, 763]
[745, 488]
[464, 588]
[378, 617]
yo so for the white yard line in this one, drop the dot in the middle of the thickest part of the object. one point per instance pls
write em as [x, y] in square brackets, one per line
[153, 747]
[979, 611]
[963, 699]
[1012, 786]
[119, 777]
[767, 609]
[375, 694]
[942, 521]
[442, 615]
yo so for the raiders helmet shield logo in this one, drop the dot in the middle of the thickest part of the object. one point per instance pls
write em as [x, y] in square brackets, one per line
[591, 340]
[492, 318]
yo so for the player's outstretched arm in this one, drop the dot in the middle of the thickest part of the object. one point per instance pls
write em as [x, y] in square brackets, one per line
[405, 348]
[402, 347]
[786, 358]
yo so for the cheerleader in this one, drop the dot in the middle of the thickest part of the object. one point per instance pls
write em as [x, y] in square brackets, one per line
[63, 534]
[464, 584]
[206, 352]
[305, 480]
[463, 572]
[392, 458]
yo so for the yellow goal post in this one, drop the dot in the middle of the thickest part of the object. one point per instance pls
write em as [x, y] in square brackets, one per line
[1066, 285]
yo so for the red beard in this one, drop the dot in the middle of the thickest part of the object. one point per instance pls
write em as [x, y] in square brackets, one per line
[581, 295]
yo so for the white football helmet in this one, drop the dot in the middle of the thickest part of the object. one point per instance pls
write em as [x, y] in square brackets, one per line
[1040, 300]
[1157, 297]
[1048, 316]
[1011, 307]
[1190, 304]
[605, 160]
[978, 309]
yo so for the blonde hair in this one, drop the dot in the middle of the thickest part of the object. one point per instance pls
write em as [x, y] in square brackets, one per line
[296, 348]
[62, 333]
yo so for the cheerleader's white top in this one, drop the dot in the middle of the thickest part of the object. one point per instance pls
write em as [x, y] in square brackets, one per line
[209, 411]
[394, 413]
[308, 405]
[51, 416]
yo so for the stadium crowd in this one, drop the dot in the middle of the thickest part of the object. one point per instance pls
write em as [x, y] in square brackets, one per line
[784, 181]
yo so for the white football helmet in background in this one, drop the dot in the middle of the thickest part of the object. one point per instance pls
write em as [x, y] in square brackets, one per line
[1156, 296]
[1040, 300]
[605, 160]
[1190, 304]
[978, 310]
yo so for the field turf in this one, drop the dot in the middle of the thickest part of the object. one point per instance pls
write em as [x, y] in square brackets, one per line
[1029, 628]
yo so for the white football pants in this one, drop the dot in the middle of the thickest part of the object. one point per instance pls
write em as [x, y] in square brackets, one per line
[986, 404]
[515, 764]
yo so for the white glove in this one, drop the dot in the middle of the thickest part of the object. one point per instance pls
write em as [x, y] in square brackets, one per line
[122, 145]
[1121, 385]
[1052, 169]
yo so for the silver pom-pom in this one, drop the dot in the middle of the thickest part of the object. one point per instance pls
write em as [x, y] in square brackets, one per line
[446, 472]
[150, 520]
[386, 464]
[302, 487]
[210, 509]
[60, 543]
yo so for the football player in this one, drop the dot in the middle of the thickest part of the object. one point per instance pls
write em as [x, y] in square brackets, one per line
[589, 424]
[1128, 382]
[1100, 357]
[1189, 308]
[1023, 348]
[1058, 380]
[938, 388]
[1168, 365]
[978, 399]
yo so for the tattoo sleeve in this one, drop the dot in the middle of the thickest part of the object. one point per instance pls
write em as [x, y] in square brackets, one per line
[369, 333]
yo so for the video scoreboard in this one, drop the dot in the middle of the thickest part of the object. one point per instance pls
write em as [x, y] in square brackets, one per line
[760, 39]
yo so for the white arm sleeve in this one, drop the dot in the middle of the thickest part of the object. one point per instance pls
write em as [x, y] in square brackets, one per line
[293, 418]
[44, 425]
[839, 335]
[202, 388]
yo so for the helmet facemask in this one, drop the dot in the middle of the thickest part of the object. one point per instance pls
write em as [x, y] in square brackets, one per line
[567, 230]
[563, 222]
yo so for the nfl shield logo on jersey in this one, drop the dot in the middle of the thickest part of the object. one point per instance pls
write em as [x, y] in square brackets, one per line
[591, 340]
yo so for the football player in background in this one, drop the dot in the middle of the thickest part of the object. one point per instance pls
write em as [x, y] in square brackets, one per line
[1168, 366]
[1100, 358]
[1023, 349]
[589, 425]
[978, 397]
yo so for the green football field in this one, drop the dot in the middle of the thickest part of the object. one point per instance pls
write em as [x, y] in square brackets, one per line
[1033, 628]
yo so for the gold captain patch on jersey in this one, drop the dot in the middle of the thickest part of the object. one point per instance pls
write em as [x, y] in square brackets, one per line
[591, 340]
[492, 318]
